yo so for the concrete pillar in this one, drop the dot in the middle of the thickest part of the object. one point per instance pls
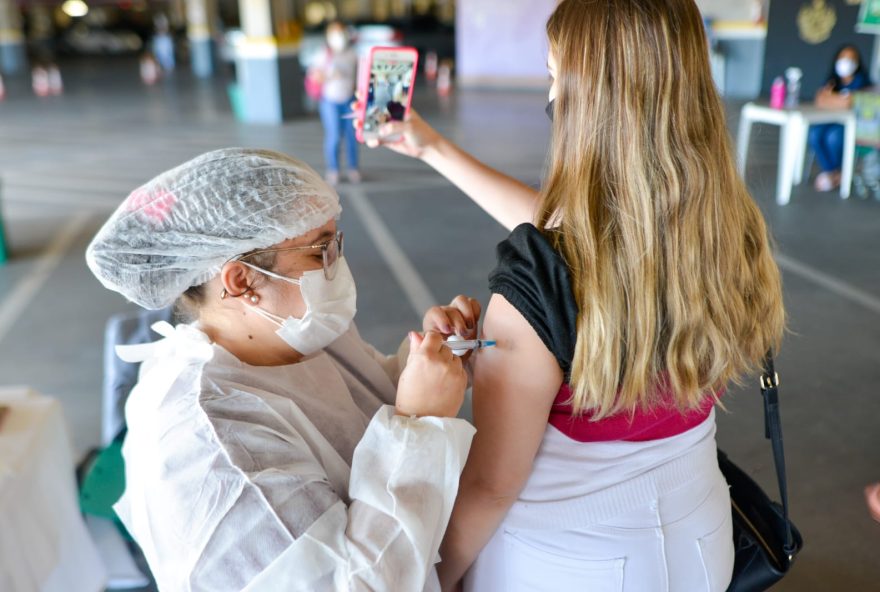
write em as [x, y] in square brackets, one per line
[200, 18]
[13, 54]
[270, 78]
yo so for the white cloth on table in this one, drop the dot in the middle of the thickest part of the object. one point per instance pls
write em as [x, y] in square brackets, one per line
[44, 544]
[277, 477]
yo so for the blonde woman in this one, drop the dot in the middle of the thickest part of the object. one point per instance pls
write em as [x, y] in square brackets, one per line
[637, 283]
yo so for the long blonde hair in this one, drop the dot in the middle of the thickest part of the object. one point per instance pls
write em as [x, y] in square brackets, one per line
[670, 258]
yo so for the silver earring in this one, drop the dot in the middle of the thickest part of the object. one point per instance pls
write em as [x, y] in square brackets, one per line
[255, 298]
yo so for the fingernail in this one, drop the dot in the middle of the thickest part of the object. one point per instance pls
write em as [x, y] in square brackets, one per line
[470, 326]
[447, 329]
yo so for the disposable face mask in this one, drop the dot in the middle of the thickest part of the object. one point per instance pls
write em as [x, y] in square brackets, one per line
[549, 109]
[337, 41]
[330, 308]
[845, 67]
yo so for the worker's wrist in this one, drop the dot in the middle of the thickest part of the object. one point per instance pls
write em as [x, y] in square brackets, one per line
[436, 151]
[403, 413]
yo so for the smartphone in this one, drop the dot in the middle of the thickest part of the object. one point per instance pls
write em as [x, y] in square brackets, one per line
[386, 82]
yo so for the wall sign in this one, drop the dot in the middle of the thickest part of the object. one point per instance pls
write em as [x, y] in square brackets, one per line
[869, 17]
[816, 21]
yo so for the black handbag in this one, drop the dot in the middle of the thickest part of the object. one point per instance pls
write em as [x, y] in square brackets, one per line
[765, 540]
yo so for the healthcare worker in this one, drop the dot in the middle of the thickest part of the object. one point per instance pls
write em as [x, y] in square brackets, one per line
[269, 447]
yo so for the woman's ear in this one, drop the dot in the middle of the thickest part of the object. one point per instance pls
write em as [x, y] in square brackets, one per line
[236, 279]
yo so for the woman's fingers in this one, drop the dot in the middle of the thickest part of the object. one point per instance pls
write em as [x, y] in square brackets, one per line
[458, 321]
[394, 129]
[470, 310]
[437, 320]
[451, 319]
[433, 381]
[432, 345]
[415, 341]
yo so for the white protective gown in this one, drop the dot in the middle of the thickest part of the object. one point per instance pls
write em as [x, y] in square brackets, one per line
[276, 478]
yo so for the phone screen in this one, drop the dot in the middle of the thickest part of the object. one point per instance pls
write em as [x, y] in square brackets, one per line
[392, 72]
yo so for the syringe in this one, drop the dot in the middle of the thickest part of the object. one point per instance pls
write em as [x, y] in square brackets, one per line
[460, 347]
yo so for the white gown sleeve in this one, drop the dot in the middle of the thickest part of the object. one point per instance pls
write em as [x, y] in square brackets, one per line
[241, 502]
[392, 364]
[226, 491]
[404, 481]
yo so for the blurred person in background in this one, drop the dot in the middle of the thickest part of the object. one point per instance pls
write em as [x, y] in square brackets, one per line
[163, 43]
[847, 76]
[335, 70]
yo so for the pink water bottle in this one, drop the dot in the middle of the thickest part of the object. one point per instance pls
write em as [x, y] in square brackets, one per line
[777, 93]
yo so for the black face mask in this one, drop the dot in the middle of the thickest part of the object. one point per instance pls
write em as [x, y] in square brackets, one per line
[549, 109]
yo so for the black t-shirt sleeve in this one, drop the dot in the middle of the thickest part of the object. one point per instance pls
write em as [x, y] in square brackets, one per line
[535, 279]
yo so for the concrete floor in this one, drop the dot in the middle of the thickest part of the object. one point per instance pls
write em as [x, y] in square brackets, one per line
[66, 162]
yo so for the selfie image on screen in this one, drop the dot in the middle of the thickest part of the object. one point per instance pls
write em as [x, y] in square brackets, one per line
[388, 92]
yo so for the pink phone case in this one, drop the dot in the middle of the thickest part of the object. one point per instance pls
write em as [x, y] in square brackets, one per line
[364, 83]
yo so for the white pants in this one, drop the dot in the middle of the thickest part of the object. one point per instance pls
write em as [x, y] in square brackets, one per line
[682, 541]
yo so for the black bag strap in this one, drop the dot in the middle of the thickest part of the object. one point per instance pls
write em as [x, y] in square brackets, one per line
[773, 431]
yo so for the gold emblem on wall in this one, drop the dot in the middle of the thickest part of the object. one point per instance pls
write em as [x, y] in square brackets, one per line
[816, 21]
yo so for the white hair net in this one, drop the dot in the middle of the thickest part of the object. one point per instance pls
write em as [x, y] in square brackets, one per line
[177, 230]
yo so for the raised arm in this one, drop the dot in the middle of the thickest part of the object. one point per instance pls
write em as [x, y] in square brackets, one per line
[515, 384]
[508, 200]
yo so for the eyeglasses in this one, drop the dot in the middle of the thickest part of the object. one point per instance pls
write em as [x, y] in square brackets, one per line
[331, 251]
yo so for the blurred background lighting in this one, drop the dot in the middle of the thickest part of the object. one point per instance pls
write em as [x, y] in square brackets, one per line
[75, 8]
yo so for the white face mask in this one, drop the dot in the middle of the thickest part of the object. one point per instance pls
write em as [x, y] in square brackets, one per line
[330, 308]
[845, 67]
[337, 41]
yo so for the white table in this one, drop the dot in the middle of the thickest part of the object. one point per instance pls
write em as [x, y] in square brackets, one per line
[44, 544]
[794, 124]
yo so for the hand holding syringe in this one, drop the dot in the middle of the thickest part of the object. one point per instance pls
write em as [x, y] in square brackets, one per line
[458, 321]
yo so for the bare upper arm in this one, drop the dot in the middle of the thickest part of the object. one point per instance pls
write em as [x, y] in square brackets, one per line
[515, 384]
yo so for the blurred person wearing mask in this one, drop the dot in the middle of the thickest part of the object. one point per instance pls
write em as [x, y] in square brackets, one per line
[269, 447]
[635, 285]
[336, 70]
[847, 76]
